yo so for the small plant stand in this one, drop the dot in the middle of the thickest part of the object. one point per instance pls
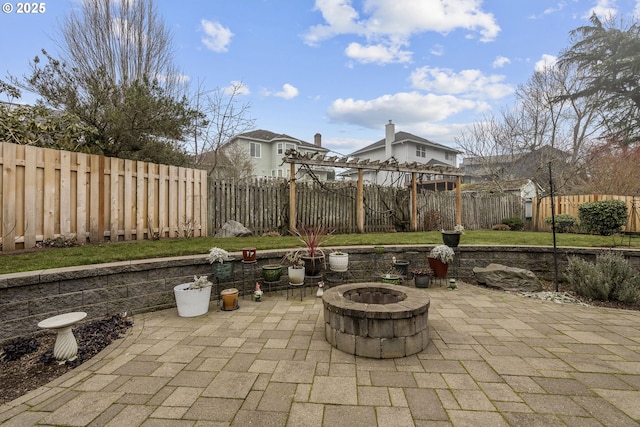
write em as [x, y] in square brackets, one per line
[66, 346]
[275, 283]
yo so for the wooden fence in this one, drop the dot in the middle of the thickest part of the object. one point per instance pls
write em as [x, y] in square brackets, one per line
[569, 205]
[263, 206]
[49, 193]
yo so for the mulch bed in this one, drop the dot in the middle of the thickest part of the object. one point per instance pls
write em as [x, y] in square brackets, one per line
[27, 363]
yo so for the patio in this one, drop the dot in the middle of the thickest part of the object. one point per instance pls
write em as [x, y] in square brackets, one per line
[494, 359]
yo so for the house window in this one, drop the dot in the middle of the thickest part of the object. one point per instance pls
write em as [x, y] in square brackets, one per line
[290, 146]
[421, 151]
[280, 150]
[255, 150]
[449, 156]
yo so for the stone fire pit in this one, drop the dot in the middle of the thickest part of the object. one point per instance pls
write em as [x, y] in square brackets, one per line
[376, 320]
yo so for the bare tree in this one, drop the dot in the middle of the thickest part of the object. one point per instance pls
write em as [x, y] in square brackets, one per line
[116, 75]
[542, 128]
[223, 118]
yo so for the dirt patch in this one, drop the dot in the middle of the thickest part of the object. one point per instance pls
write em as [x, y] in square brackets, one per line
[27, 363]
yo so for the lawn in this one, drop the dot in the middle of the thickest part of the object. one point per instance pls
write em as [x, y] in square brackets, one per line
[40, 259]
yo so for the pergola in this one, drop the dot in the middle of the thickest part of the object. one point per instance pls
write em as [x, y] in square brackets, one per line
[293, 157]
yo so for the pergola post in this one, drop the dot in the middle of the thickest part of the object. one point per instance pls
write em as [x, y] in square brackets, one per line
[458, 200]
[360, 202]
[414, 202]
[292, 197]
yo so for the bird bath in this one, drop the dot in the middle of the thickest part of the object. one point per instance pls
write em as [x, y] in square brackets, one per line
[66, 347]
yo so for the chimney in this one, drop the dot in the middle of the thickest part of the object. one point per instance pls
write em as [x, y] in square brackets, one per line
[317, 140]
[389, 137]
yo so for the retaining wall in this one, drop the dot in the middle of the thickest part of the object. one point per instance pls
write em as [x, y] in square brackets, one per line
[141, 286]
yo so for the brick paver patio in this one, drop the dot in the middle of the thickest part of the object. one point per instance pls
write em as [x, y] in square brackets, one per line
[494, 359]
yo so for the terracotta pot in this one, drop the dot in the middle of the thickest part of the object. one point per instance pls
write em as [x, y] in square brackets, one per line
[439, 268]
[229, 299]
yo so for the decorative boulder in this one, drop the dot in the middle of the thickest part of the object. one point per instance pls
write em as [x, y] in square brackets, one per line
[233, 229]
[508, 278]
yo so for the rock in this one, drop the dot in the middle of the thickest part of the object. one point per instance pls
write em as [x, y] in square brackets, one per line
[508, 278]
[233, 229]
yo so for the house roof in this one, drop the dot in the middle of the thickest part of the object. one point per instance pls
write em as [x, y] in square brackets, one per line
[403, 137]
[272, 137]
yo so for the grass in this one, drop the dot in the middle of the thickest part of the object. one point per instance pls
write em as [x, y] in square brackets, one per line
[41, 259]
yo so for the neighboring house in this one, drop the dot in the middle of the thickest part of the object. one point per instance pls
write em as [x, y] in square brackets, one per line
[531, 165]
[265, 149]
[403, 147]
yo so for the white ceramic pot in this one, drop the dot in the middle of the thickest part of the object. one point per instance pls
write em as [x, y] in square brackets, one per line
[193, 302]
[296, 275]
[339, 262]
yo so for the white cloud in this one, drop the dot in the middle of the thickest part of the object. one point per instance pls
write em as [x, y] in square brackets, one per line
[412, 107]
[236, 88]
[604, 9]
[385, 23]
[547, 61]
[216, 37]
[469, 83]
[377, 53]
[500, 62]
[288, 92]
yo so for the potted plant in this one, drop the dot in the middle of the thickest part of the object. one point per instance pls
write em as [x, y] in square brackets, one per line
[312, 238]
[221, 269]
[192, 299]
[391, 278]
[338, 261]
[271, 272]
[422, 277]
[296, 268]
[249, 255]
[439, 259]
[451, 238]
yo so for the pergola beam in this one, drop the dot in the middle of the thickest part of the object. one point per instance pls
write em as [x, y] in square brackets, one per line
[316, 159]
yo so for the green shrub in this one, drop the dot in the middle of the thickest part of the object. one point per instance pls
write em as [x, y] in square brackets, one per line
[604, 217]
[514, 223]
[609, 278]
[564, 222]
[501, 227]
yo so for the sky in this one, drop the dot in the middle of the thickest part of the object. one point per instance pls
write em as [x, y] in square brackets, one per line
[344, 68]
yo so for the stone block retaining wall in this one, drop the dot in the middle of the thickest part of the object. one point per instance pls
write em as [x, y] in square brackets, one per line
[140, 286]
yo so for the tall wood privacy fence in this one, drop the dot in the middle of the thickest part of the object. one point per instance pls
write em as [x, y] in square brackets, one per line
[263, 206]
[569, 205]
[49, 193]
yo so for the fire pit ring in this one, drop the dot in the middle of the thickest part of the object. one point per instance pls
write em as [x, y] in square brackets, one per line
[376, 320]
